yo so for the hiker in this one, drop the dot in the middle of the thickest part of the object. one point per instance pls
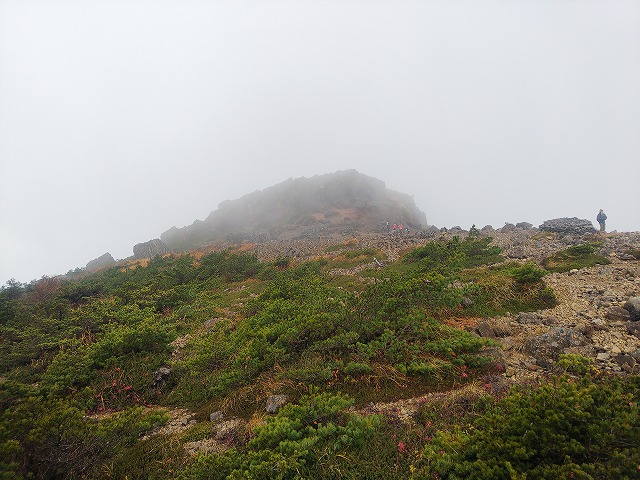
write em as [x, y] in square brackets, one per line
[400, 228]
[394, 228]
[601, 219]
[387, 227]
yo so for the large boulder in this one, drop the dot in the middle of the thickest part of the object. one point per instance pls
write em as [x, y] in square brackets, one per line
[546, 347]
[103, 261]
[150, 249]
[524, 225]
[633, 307]
[568, 226]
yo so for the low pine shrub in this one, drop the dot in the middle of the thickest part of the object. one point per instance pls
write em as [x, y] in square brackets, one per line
[586, 429]
[575, 257]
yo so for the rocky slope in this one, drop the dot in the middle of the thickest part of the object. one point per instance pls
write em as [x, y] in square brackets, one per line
[589, 318]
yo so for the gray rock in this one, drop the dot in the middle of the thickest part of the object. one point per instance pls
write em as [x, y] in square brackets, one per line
[549, 345]
[229, 431]
[508, 227]
[496, 355]
[484, 330]
[529, 317]
[150, 249]
[550, 321]
[487, 229]
[160, 376]
[603, 356]
[618, 313]
[466, 302]
[633, 307]
[517, 252]
[501, 328]
[429, 232]
[532, 366]
[274, 402]
[568, 226]
[584, 328]
[625, 358]
[524, 225]
[634, 329]
[216, 416]
[507, 343]
[103, 261]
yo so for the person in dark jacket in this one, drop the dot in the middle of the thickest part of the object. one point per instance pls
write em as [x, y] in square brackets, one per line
[602, 217]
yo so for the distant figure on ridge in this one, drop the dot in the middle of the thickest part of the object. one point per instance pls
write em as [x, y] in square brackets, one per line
[602, 217]
[394, 228]
[387, 227]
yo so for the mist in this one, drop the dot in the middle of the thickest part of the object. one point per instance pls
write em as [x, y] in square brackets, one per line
[119, 120]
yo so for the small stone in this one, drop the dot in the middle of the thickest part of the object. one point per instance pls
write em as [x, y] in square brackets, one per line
[628, 368]
[584, 328]
[531, 366]
[528, 317]
[603, 356]
[633, 307]
[274, 402]
[507, 343]
[618, 313]
[625, 358]
[216, 416]
[573, 271]
[160, 376]
[230, 431]
[615, 349]
[466, 302]
[485, 330]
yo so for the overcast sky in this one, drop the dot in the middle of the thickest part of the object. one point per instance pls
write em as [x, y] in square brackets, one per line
[121, 119]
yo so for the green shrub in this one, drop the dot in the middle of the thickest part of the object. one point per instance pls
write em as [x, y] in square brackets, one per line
[528, 273]
[567, 429]
[575, 257]
[576, 364]
[292, 443]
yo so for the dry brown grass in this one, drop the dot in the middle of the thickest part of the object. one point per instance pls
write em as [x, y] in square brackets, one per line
[251, 398]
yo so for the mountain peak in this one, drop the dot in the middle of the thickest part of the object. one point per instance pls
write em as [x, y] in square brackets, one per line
[335, 203]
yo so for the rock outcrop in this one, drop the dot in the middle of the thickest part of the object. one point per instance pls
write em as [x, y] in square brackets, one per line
[344, 202]
[568, 226]
[150, 249]
[103, 261]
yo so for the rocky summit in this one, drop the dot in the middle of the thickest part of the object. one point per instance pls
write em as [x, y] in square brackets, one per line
[103, 261]
[343, 203]
[150, 249]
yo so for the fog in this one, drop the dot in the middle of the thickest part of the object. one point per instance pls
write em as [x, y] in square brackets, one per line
[120, 119]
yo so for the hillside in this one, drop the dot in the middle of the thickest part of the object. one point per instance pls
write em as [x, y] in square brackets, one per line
[342, 203]
[369, 356]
